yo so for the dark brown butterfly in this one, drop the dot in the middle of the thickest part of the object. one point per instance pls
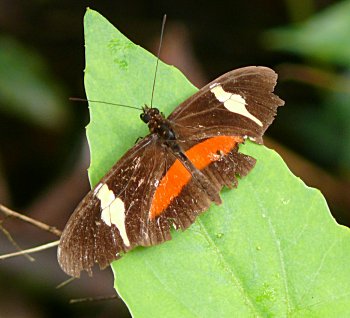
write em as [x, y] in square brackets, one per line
[174, 173]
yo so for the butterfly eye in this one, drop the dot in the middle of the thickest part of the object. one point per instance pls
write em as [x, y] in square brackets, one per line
[145, 117]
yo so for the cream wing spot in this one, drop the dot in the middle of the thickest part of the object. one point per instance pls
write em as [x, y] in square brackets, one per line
[233, 102]
[105, 195]
[113, 211]
[220, 94]
[117, 217]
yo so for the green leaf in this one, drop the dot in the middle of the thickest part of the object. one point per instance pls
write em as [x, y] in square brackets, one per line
[272, 249]
[324, 37]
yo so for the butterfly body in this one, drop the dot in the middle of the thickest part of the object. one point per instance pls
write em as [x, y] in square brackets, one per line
[157, 123]
[172, 175]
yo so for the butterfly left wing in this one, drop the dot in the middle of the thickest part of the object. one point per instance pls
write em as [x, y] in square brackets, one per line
[114, 217]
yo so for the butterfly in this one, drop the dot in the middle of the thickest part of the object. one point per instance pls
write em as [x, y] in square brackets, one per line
[173, 174]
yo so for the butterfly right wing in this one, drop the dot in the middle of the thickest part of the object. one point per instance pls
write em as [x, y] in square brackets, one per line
[238, 103]
[211, 124]
[113, 218]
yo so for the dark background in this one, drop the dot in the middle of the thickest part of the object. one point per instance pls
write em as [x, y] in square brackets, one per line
[43, 152]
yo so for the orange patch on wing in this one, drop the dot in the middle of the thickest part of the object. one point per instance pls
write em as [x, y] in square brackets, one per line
[201, 155]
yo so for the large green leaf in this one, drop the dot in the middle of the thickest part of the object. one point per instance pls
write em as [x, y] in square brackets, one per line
[271, 249]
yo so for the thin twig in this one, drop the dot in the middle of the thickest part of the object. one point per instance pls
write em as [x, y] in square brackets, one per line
[31, 250]
[80, 300]
[13, 242]
[29, 220]
[66, 282]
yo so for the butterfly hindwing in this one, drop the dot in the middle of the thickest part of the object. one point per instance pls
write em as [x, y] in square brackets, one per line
[185, 207]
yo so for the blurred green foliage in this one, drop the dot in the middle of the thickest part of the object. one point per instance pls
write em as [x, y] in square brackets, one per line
[28, 89]
[324, 37]
[320, 125]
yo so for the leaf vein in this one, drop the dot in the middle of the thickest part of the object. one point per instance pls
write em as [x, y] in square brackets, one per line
[234, 277]
[278, 246]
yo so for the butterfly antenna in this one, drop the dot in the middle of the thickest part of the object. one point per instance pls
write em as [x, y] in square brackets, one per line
[160, 46]
[76, 99]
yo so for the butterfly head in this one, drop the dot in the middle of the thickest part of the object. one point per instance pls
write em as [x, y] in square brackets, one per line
[157, 123]
[148, 114]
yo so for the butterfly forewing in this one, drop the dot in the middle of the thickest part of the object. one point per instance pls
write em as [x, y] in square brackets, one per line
[238, 103]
